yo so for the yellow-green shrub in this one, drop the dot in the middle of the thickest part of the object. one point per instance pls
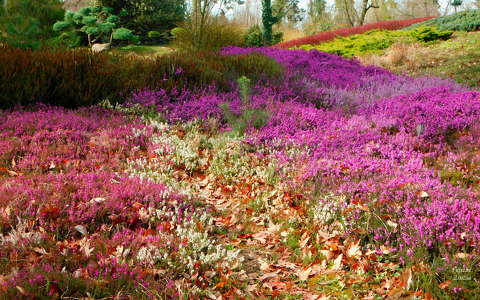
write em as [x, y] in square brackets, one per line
[428, 34]
[371, 41]
[375, 41]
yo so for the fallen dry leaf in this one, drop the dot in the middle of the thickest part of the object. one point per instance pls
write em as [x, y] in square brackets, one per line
[40, 250]
[354, 249]
[264, 266]
[461, 255]
[303, 274]
[285, 264]
[261, 236]
[428, 296]
[327, 254]
[406, 279]
[318, 268]
[304, 240]
[337, 263]
[268, 275]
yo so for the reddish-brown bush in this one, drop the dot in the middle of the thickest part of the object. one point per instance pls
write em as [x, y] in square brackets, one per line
[330, 35]
[79, 78]
[66, 78]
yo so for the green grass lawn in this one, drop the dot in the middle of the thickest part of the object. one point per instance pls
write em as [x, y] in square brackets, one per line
[457, 58]
[460, 59]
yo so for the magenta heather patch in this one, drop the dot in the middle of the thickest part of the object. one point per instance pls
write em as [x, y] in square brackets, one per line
[431, 113]
[54, 139]
[395, 158]
[202, 106]
[313, 77]
[20, 122]
[86, 199]
[441, 223]
[317, 66]
[365, 132]
[383, 166]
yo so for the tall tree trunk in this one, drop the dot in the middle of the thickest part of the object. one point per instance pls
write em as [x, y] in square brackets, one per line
[350, 16]
[363, 12]
[197, 25]
[267, 21]
[364, 9]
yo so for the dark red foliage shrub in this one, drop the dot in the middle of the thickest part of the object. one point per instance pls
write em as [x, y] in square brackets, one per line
[65, 78]
[330, 35]
[77, 78]
[203, 69]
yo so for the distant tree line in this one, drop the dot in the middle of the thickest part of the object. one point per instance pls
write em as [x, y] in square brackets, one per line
[195, 23]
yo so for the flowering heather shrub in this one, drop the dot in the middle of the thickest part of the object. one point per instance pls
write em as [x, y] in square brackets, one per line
[87, 199]
[382, 88]
[102, 200]
[306, 77]
[437, 111]
[203, 104]
[104, 224]
[441, 224]
[317, 66]
[330, 35]
[378, 156]
[378, 161]
[53, 139]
